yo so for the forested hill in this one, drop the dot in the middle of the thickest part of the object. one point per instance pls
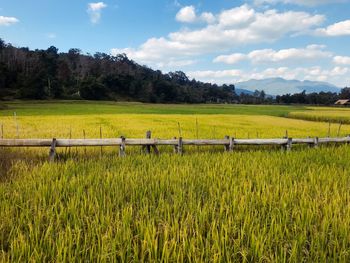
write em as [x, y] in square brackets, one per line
[48, 74]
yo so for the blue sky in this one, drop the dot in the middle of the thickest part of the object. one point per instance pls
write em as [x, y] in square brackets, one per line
[219, 41]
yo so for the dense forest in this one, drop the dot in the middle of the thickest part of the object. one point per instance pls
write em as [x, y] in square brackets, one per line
[48, 74]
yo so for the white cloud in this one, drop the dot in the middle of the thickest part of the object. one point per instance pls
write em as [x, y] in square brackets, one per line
[264, 27]
[237, 17]
[186, 14]
[216, 74]
[336, 75]
[300, 2]
[310, 53]
[341, 60]
[96, 6]
[207, 17]
[223, 34]
[94, 10]
[175, 64]
[339, 71]
[230, 59]
[7, 20]
[338, 29]
[158, 53]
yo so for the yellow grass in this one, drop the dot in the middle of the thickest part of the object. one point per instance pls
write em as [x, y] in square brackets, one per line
[251, 205]
[324, 114]
[162, 126]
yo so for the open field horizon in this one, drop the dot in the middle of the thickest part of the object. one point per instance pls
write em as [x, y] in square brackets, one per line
[84, 107]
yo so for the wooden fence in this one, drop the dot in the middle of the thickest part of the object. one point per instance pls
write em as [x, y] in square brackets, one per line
[149, 143]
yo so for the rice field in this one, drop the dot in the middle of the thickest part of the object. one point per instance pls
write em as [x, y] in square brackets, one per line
[336, 115]
[252, 205]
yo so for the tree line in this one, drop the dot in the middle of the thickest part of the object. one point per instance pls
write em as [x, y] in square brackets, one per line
[321, 98]
[49, 74]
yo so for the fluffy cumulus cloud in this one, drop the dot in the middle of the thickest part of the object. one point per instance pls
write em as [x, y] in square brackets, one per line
[338, 29]
[94, 10]
[341, 60]
[300, 2]
[244, 25]
[188, 14]
[230, 59]
[159, 53]
[8, 20]
[226, 30]
[310, 53]
[237, 17]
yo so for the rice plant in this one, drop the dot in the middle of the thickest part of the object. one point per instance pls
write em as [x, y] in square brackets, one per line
[251, 205]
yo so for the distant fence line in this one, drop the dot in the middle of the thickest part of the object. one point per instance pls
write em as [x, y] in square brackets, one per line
[149, 143]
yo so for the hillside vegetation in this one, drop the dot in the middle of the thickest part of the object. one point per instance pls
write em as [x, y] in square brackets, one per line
[48, 74]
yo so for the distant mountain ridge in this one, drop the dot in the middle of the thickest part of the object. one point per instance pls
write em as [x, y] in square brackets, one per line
[244, 91]
[279, 86]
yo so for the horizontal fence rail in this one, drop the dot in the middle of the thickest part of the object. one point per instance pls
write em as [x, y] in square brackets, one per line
[156, 142]
[151, 143]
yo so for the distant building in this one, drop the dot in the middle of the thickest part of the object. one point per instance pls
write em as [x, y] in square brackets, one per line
[342, 102]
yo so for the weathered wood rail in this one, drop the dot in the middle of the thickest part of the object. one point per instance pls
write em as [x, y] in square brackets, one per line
[178, 143]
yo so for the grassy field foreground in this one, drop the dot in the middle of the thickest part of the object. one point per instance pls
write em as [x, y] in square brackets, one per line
[251, 205]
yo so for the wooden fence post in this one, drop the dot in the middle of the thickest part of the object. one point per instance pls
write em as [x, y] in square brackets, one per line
[289, 144]
[176, 149]
[2, 131]
[227, 146]
[316, 142]
[147, 148]
[122, 147]
[310, 144]
[180, 146]
[232, 144]
[52, 151]
[155, 149]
